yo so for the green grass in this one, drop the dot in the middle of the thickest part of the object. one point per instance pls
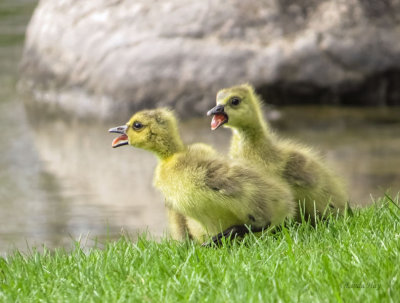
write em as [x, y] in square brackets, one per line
[349, 259]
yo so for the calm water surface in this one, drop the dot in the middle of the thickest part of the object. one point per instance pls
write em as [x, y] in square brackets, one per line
[60, 180]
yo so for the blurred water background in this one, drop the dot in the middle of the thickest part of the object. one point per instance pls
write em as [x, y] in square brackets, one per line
[60, 180]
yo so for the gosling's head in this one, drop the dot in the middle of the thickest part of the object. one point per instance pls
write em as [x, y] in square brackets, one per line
[154, 130]
[237, 107]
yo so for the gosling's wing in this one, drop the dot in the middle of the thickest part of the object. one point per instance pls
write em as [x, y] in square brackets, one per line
[244, 194]
[299, 170]
[223, 178]
[215, 172]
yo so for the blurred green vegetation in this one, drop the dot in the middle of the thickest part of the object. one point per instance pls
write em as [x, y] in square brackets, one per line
[14, 16]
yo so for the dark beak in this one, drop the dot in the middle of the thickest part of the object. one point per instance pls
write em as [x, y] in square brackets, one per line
[119, 129]
[219, 109]
[121, 140]
[219, 116]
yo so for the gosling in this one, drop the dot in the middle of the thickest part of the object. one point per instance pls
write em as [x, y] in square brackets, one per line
[317, 190]
[206, 194]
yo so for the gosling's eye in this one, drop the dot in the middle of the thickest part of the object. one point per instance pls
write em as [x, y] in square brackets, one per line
[235, 101]
[137, 125]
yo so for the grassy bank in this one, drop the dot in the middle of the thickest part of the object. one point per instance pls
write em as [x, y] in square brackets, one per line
[353, 259]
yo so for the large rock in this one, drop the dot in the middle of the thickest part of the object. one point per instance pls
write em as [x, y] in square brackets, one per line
[107, 58]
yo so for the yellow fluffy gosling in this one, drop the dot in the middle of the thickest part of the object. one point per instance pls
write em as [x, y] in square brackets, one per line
[312, 183]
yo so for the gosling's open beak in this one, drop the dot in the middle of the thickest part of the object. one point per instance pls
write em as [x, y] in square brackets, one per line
[219, 116]
[121, 140]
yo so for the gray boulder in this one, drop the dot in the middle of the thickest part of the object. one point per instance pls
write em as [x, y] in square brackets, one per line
[108, 58]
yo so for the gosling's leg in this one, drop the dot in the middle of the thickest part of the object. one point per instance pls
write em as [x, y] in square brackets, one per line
[233, 232]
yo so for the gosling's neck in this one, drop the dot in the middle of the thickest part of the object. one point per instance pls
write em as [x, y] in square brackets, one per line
[255, 134]
[167, 147]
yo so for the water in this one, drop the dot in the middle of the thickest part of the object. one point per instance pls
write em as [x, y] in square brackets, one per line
[60, 180]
